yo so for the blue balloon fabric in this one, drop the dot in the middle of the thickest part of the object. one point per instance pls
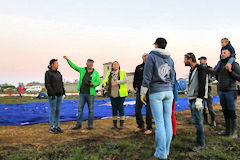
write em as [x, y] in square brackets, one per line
[38, 112]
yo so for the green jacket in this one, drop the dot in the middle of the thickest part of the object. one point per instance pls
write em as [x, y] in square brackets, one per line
[82, 71]
[123, 92]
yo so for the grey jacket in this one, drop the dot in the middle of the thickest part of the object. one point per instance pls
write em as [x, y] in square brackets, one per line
[198, 83]
[158, 74]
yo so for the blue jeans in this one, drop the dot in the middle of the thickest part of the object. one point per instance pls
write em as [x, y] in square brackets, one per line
[197, 121]
[228, 101]
[55, 105]
[161, 106]
[83, 98]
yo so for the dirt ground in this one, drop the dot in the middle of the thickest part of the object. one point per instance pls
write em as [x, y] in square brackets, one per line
[37, 136]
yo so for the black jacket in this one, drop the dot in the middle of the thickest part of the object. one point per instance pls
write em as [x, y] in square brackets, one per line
[227, 80]
[211, 75]
[197, 83]
[138, 76]
[54, 83]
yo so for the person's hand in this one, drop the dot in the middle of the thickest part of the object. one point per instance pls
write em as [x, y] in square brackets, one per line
[65, 57]
[114, 83]
[199, 104]
[136, 89]
[228, 67]
[91, 84]
[143, 99]
[106, 87]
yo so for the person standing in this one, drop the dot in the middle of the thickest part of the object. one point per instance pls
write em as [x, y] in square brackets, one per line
[88, 81]
[20, 90]
[137, 82]
[158, 80]
[55, 90]
[209, 100]
[227, 91]
[116, 85]
[197, 91]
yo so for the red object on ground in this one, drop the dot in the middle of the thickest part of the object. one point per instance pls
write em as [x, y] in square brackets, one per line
[174, 121]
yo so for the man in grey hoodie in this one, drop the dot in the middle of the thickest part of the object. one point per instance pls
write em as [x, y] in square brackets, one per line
[158, 79]
[197, 91]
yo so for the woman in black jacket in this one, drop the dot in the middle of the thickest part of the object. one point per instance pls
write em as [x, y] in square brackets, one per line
[55, 91]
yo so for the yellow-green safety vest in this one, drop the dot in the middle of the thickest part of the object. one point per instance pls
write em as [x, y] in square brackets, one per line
[123, 92]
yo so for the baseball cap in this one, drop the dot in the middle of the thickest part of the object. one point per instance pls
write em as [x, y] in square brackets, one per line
[90, 60]
[160, 41]
[144, 54]
[203, 57]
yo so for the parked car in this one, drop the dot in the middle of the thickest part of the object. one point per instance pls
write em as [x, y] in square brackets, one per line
[9, 89]
[34, 89]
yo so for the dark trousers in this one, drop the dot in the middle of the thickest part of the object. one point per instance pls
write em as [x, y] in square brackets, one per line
[138, 112]
[208, 104]
[117, 107]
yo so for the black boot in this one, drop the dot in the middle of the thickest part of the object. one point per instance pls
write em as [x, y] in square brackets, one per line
[121, 124]
[227, 125]
[234, 128]
[114, 124]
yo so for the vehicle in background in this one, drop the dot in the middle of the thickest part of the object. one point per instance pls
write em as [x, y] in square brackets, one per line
[34, 89]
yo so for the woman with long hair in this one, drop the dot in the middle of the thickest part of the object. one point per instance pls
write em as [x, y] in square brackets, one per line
[116, 85]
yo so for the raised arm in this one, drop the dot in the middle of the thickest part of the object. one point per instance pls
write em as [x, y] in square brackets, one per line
[72, 65]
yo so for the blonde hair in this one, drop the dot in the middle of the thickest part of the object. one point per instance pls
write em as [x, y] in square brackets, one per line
[225, 39]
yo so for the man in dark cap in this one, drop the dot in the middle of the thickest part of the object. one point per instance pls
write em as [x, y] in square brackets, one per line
[209, 100]
[88, 81]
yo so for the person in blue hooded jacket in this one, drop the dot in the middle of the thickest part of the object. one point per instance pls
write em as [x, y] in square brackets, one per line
[158, 79]
[226, 44]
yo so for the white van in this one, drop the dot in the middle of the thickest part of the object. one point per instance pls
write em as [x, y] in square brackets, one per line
[34, 89]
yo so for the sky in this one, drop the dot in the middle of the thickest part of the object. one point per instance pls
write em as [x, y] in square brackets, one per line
[34, 32]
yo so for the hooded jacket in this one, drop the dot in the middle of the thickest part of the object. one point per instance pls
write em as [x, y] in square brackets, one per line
[230, 48]
[159, 72]
[232, 51]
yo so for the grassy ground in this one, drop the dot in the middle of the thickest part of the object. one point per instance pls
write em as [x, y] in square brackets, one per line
[34, 142]
[7, 100]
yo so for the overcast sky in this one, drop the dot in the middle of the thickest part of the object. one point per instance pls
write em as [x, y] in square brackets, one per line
[33, 32]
